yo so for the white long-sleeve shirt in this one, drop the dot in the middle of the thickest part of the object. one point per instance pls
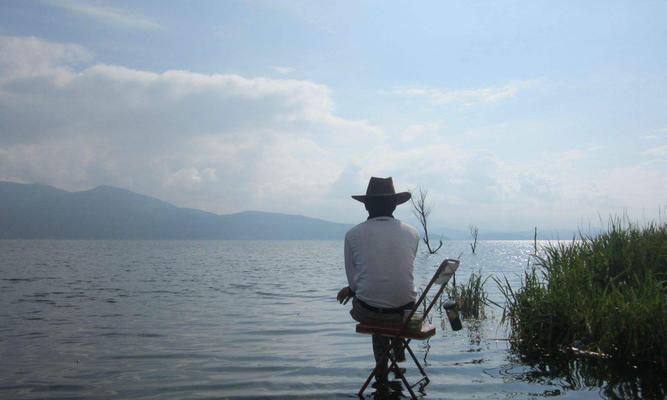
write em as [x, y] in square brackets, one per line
[379, 261]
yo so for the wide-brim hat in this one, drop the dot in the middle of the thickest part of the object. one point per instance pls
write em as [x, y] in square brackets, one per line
[382, 188]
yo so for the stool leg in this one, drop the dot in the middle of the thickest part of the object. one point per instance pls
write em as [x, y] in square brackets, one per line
[387, 356]
[414, 358]
[402, 376]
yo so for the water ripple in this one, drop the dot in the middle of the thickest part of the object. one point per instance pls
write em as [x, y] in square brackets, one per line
[230, 319]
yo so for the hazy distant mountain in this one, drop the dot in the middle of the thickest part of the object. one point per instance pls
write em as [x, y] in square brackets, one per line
[41, 211]
[34, 211]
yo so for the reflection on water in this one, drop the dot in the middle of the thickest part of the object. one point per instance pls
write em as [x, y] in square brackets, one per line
[589, 374]
[232, 319]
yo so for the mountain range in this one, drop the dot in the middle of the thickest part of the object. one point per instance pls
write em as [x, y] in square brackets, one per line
[36, 211]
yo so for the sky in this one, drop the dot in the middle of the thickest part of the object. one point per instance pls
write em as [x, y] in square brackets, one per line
[511, 114]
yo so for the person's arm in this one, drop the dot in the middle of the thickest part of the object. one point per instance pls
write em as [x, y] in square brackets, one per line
[350, 269]
[346, 293]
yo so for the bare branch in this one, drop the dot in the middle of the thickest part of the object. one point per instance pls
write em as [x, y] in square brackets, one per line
[421, 210]
[474, 231]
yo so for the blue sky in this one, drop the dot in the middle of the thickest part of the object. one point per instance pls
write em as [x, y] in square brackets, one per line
[512, 114]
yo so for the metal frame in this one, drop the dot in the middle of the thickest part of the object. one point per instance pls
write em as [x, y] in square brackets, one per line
[405, 336]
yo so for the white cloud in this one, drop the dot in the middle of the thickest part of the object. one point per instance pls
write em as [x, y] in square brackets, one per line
[20, 56]
[657, 152]
[467, 97]
[421, 132]
[238, 142]
[108, 15]
[572, 155]
[635, 189]
[226, 143]
[191, 176]
[282, 70]
[656, 134]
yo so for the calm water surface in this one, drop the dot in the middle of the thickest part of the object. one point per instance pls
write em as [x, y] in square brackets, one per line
[228, 319]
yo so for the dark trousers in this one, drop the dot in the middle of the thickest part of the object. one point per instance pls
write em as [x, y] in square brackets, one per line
[380, 343]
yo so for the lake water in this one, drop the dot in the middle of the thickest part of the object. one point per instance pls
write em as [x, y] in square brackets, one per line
[230, 319]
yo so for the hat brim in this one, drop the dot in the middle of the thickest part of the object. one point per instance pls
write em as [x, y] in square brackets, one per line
[399, 198]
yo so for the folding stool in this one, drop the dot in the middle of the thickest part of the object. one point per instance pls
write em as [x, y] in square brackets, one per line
[404, 334]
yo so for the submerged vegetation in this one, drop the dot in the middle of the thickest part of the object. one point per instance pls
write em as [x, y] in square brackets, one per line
[470, 296]
[602, 296]
[584, 373]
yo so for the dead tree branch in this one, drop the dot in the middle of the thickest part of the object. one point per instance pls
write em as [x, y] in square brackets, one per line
[474, 231]
[421, 211]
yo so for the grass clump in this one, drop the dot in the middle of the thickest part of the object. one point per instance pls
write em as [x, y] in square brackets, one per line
[605, 294]
[470, 296]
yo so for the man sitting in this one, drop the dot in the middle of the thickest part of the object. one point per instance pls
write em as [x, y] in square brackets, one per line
[379, 263]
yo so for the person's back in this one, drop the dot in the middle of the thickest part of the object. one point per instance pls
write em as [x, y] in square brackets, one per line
[380, 255]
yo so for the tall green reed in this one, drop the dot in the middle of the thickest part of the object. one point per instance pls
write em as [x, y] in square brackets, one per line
[605, 294]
